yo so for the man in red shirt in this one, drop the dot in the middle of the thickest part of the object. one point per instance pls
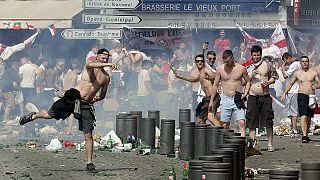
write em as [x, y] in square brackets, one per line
[221, 44]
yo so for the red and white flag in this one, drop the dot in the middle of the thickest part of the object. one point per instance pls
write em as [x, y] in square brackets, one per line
[16, 26]
[29, 26]
[52, 29]
[279, 39]
[246, 36]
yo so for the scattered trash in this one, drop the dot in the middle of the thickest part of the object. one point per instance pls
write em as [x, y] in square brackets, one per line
[31, 144]
[47, 130]
[54, 145]
[97, 137]
[62, 165]
[282, 130]
[10, 172]
[69, 144]
[250, 172]
[113, 136]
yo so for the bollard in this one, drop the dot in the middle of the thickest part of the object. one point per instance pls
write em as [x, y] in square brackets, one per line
[156, 115]
[284, 174]
[216, 159]
[218, 171]
[187, 133]
[212, 138]
[200, 140]
[227, 158]
[120, 119]
[310, 170]
[137, 114]
[221, 133]
[148, 131]
[184, 116]
[241, 141]
[195, 169]
[167, 134]
[236, 174]
[130, 129]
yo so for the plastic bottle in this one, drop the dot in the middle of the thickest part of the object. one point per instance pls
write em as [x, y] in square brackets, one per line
[110, 142]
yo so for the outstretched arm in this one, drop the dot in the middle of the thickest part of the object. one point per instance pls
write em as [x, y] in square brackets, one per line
[188, 78]
[91, 65]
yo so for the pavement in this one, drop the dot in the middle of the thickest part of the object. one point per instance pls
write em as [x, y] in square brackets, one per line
[21, 162]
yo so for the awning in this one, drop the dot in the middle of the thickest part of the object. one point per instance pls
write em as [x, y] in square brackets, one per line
[40, 13]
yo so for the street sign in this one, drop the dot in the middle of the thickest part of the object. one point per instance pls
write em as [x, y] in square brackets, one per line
[111, 4]
[110, 19]
[91, 34]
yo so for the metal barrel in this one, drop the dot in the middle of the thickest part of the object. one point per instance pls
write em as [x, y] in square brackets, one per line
[241, 141]
[148, 131]
[217, 171]
[156, 115]
[120, 127]
[227, 158]
[137, 114]
[200, 142]
[221, 134]
[195, 169]
[167, 133]
[236, 174]
[310, 170]
[212, 138]
[187, 133]
[284, 174]
[184, 116]
[130, 130]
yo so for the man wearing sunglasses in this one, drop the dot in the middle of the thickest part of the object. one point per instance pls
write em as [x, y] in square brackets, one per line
[206, 78]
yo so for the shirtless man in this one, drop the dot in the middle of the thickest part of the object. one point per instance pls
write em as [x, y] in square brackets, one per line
[231, 74]
[308, 81]
[206, 78]
[260, 113]
[94, 78]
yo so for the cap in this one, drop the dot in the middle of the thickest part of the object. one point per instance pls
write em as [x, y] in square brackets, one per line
[103, 51]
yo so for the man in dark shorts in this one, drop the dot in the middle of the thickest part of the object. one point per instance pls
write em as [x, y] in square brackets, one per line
[308, 81]
[206, 78]
[80, 101]
[260, 113]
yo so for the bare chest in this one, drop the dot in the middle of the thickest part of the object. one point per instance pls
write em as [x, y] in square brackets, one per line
[306, 76]
[231, 75]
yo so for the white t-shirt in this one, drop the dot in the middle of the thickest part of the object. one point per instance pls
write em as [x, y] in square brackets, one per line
[273, 51]
[116, 59]
[294, 66]
[172, 83]
[28, 74]
[143, 76]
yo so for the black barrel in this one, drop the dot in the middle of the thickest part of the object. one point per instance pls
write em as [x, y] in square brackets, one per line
[310, 170]
[120, 119]
[148, 130]
[137, 114]
[156, 115]
[221, 134]
[187, 133]
[227, 158]
[200, 141]
[212, 138]
[219, 171]
[167, 133]
[195, 169]
[236, 174]
[184, 116]
[284, 174]
[241, 141]
[130, 130]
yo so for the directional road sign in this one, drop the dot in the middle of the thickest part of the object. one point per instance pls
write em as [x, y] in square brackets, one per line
[111, 4]
[91, 34]
[110, 19]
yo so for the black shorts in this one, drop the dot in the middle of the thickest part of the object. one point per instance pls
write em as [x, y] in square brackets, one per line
[303, 105]
[87, 118]
[61, 109]
[259, 112]
[203, 108]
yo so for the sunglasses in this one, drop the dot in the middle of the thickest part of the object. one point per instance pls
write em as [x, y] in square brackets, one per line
[197, 61]
[212, 58]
